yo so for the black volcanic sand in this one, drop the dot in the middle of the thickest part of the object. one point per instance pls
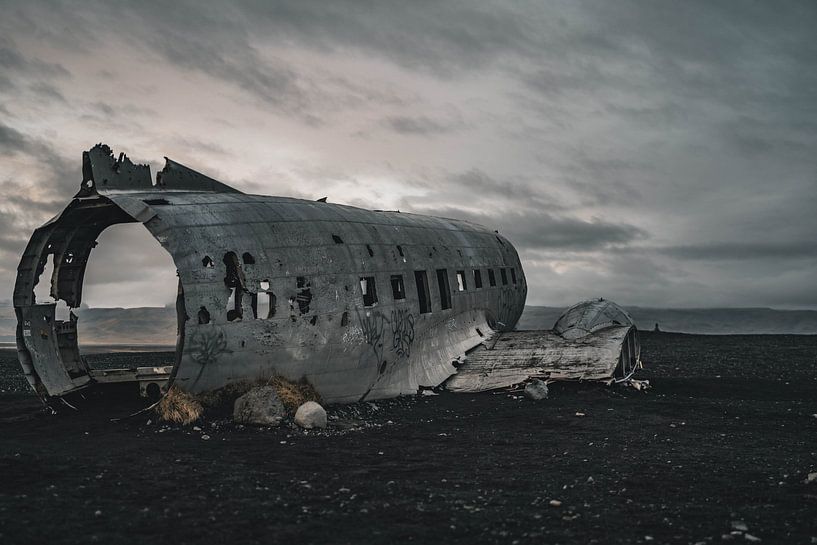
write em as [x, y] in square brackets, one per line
[727, 433]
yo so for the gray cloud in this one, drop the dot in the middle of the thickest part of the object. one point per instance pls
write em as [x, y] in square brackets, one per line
[658, 152]
[743, 251]
[531, 230]
[420, 125]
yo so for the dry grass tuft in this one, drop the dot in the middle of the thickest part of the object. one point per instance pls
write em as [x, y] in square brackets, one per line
[179, 407]
[293, 394]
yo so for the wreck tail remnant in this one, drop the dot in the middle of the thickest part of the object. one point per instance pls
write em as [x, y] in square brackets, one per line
[360, 303]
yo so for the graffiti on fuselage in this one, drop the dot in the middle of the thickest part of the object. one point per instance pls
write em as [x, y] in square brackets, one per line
[206, 345]
[402, 328]
[373, 325]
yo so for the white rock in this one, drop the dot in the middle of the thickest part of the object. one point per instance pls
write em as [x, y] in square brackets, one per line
[812, 477]
[310, 415]
[751, 538]
[536, 390]
[260, 406]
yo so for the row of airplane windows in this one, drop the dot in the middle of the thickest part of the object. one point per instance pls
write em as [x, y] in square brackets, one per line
[368, 286]
[263, 303]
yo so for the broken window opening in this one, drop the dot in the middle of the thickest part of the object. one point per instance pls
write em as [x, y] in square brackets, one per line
[314, 320]
[462, 285]
[304, 295]
[513, 275]
[344, 320]
[400, 251]
[203, 316]
[369, 249]
[423, 295]
[477, 279]
[504, 275]
[235, 275]
[234, 310]
[248, 258]
[398, 289]
[207, 262]
[156, 202]
[445, 288]
[337, 239]
[491, 278]
[369, 289]
[234, 280]
[42, 287]
[263, 304]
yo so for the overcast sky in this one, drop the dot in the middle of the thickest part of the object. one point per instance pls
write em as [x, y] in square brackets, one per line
[654, 153]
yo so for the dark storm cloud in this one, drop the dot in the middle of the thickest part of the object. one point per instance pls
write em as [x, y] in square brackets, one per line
[626, 136]
[737, 251]
[60, 169]
[532, 230]
[11, 59]
[420, 125]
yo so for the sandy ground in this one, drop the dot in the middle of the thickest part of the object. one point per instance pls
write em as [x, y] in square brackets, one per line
[723, 442]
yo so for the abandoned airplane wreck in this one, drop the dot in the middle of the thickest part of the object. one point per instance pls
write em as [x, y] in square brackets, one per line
[362, 304]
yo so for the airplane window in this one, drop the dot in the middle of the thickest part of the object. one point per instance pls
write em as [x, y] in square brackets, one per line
[423, 296]
[491, 278]
[477, 279]
[398, 290]
[445, 288]
[513, 275]
[367, 286]
[461, 283]
[504, 276]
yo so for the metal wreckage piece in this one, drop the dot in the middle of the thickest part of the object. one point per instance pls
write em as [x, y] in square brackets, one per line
[362, 304]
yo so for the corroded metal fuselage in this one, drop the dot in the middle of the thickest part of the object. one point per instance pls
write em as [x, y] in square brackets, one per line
[362, 304]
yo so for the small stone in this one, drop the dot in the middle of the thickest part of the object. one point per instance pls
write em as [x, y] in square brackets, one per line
[97, 513]
[580, 414]
[536, 390]
[205, 437]
[261, 406]
[196, 428]
[555, 503]
[811, 477]
[751, 538]
[310, 415]
[739, 525]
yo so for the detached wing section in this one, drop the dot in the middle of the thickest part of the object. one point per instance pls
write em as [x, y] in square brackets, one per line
[593, 340]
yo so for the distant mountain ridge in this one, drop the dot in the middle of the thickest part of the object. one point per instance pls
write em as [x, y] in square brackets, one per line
[157, 325]
[712, 321]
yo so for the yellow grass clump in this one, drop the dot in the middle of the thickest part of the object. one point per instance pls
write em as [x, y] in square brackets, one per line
[179, 407]
[293, 394]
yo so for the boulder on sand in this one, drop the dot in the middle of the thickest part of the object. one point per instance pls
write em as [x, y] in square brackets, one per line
[310, 415]
[536, 390]
[260, 406]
